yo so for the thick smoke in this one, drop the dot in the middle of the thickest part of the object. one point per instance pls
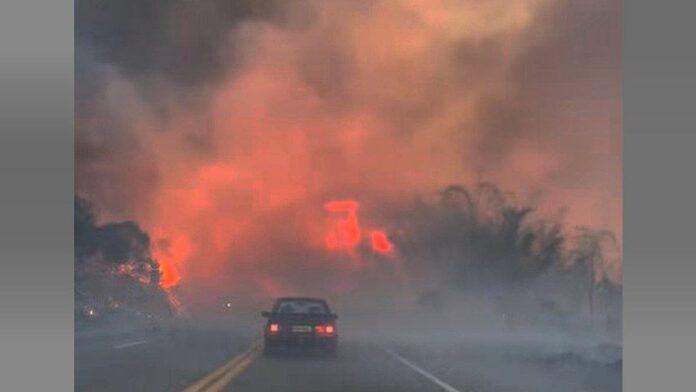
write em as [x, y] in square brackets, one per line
[479, 239]
[222, 129]
[160, 42]
[480, 243]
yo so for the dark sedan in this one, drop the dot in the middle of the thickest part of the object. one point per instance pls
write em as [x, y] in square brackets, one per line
[300, 322]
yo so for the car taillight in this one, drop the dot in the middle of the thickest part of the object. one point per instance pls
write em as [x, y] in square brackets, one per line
[325, 329]
[273, 328]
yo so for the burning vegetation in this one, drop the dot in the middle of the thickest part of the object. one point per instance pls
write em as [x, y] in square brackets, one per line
[474, 242]
[347, 233]
[114, 271]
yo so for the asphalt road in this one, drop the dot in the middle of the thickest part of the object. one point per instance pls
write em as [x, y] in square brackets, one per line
[146, 360]
[207, 359]
[358, 367]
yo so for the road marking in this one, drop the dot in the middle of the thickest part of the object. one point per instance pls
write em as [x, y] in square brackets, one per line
[228, 377]
[130, 344]
[445, 387]
[225, 374]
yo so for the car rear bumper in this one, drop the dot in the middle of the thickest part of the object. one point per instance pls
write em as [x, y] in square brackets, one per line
[308, 341]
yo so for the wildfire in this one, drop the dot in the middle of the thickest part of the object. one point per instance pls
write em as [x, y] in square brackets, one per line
[169, 255]
[380, 242]
[140, 273]
[172, 251]
[347, 233]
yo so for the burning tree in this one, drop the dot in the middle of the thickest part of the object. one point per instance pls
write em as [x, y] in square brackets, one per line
[113, 266]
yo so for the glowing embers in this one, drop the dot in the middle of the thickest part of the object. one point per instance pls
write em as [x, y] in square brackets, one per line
[174, 302]
[347, 233]
[139, 271]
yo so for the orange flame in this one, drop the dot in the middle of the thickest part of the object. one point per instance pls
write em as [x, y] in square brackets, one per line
[168, 255]
[347, 233]
[380, 242]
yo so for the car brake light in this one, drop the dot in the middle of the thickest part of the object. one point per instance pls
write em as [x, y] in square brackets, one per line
[325, 329]
[274, 328]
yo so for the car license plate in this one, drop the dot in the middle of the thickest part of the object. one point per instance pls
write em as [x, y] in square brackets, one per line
[301, 328]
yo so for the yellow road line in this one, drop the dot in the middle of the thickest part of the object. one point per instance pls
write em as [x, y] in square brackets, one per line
[213, 381]
[228, 377]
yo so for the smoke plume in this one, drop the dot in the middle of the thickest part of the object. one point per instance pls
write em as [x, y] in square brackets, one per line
[224, 128]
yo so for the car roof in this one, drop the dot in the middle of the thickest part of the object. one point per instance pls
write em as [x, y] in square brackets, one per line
[300, 299]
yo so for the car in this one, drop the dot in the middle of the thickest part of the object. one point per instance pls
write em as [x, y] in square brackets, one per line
[300, 322]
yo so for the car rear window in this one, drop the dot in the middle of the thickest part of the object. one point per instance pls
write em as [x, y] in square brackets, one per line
[299, 306]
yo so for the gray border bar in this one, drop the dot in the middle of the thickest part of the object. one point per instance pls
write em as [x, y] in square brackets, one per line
[36, 188]
[659, 196]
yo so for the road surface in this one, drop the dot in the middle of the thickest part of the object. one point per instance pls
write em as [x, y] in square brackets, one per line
[207, 359]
